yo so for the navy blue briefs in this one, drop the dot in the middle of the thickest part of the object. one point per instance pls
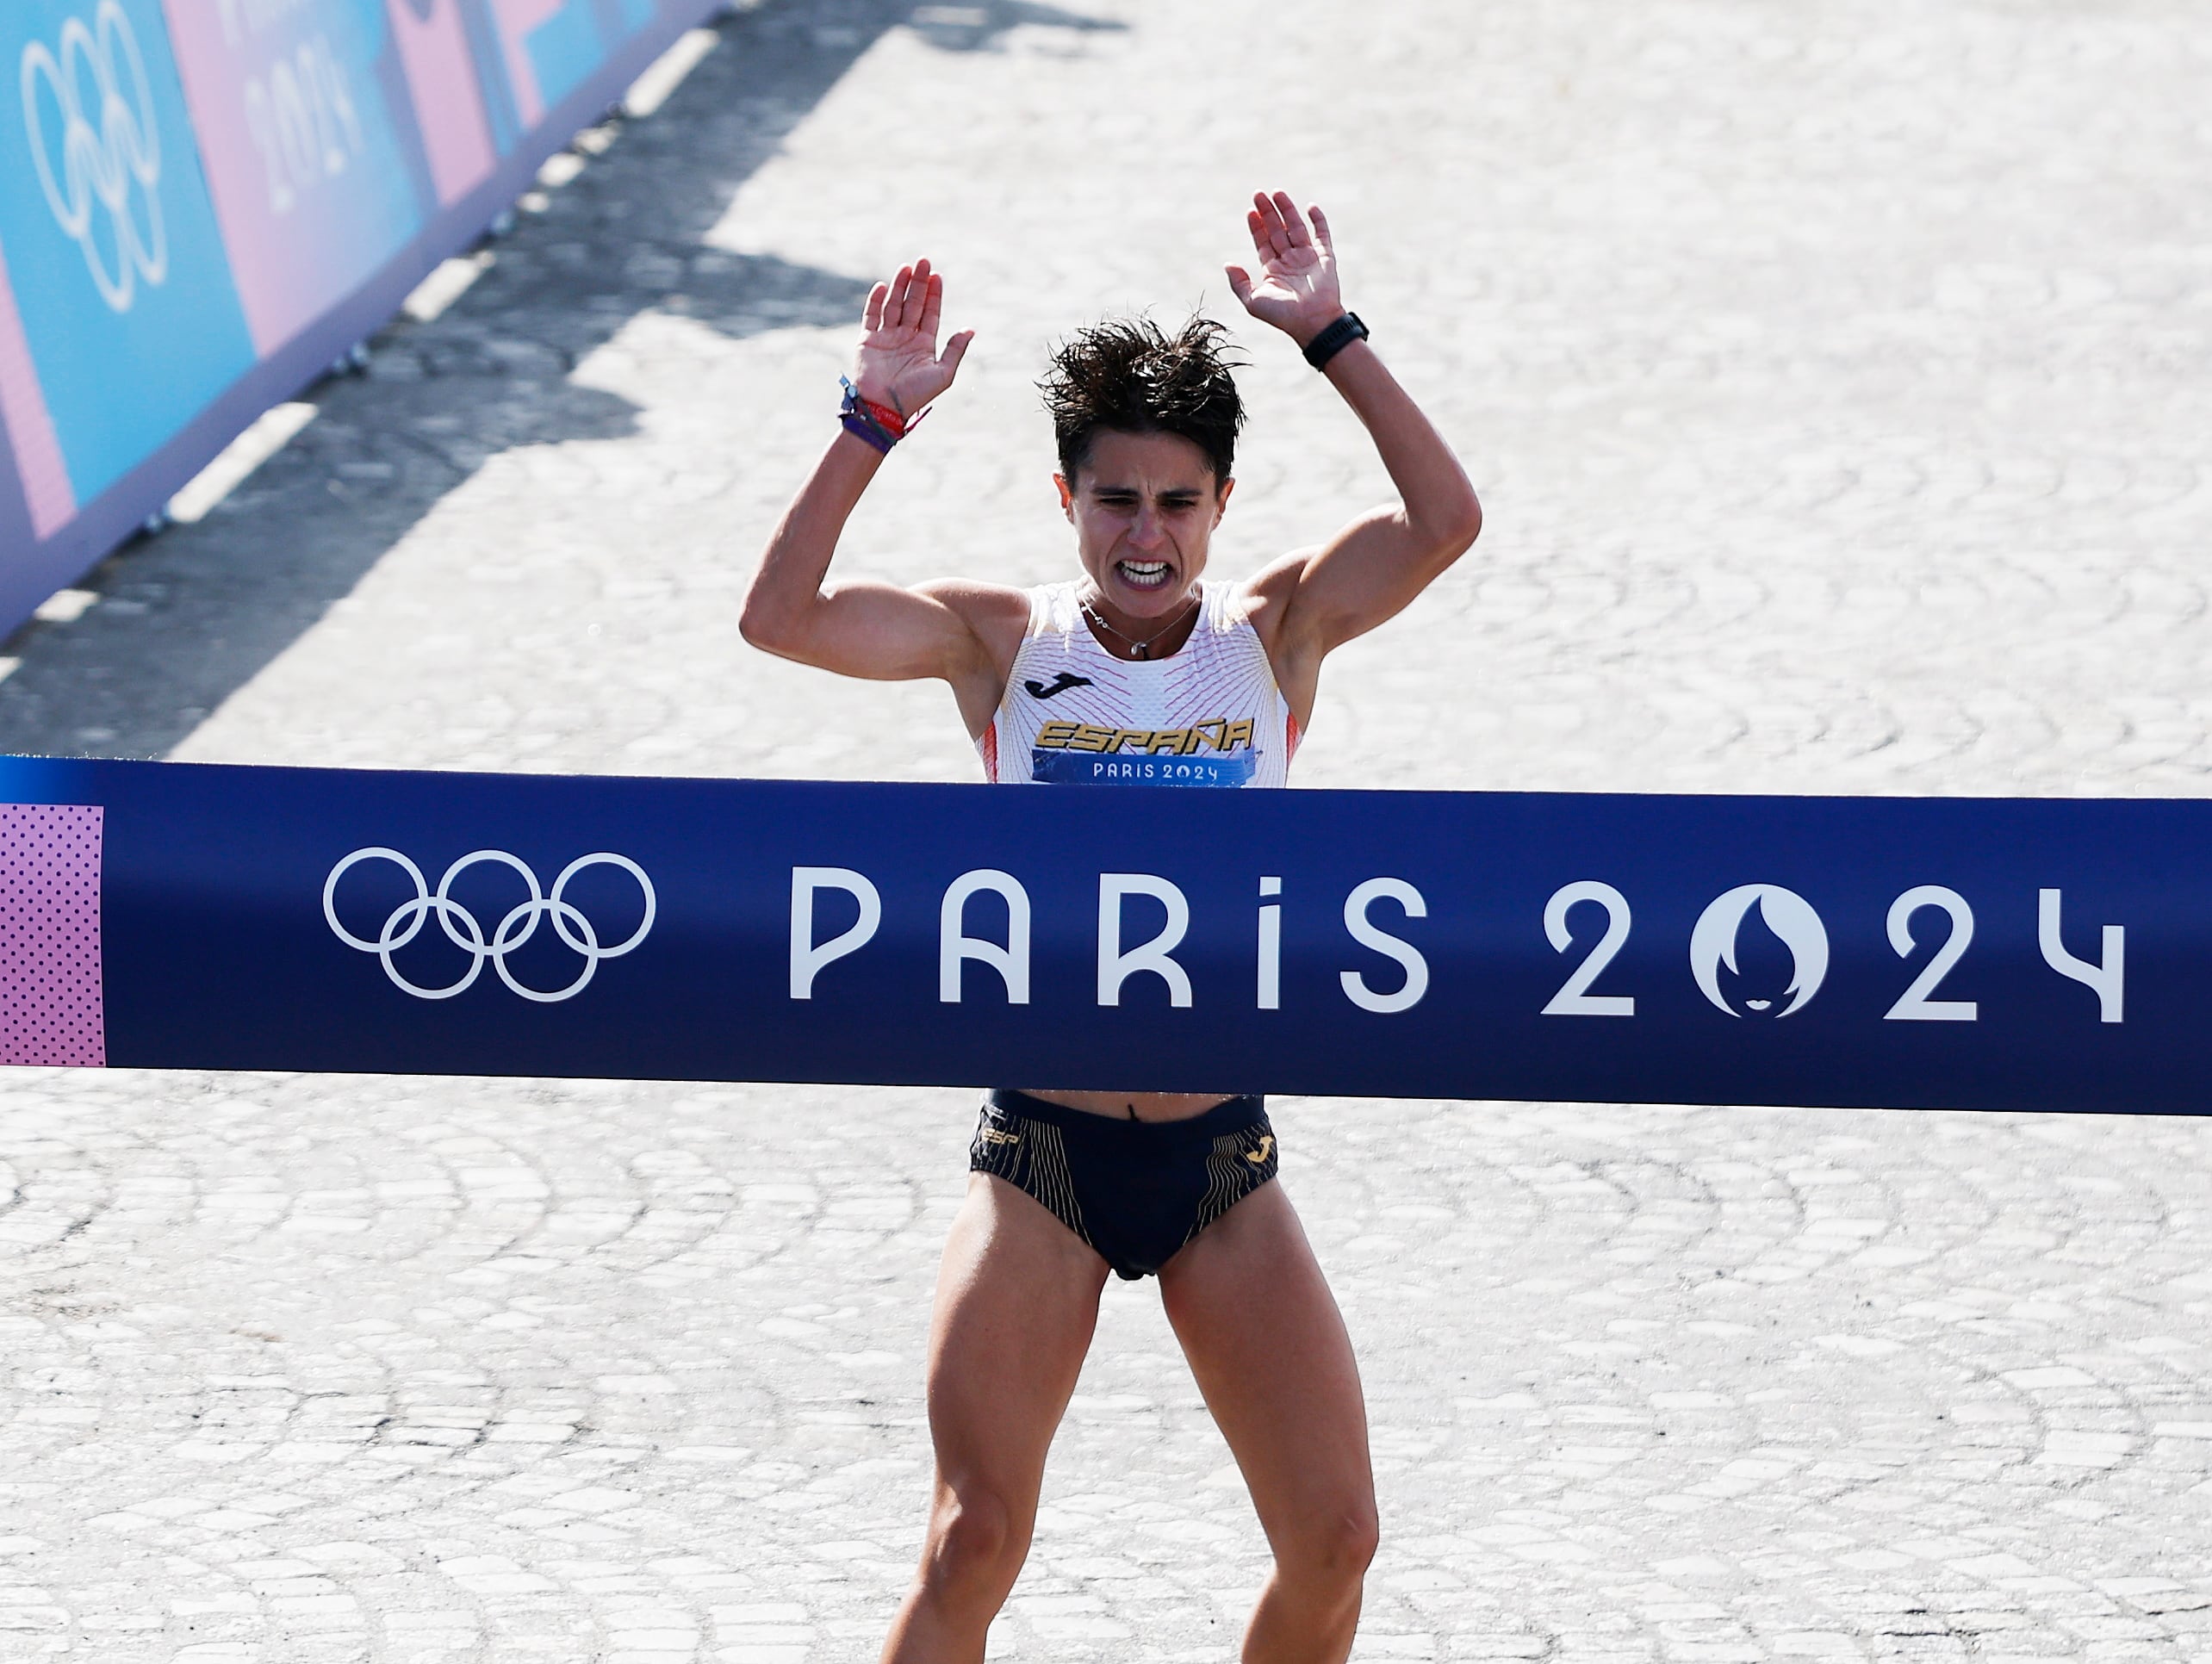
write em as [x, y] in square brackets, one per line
[1136, 1191]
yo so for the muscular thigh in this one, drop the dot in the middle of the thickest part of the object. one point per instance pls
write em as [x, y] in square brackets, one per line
[1270, 1353]
[1017, 1299]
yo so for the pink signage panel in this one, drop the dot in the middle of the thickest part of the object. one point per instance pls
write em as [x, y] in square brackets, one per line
[449, 104]
[28, 425]
[518, 20]
[301, 150]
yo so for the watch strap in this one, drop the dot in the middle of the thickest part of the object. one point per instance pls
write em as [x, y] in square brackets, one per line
[1334, 339]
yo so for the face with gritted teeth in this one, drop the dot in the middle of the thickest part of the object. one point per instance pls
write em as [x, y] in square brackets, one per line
[1144, 507]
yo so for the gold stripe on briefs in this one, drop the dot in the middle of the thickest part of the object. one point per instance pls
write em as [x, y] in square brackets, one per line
[1053, 1185]
[1222, 1183]
[1230, 1176]
[1034, 1161]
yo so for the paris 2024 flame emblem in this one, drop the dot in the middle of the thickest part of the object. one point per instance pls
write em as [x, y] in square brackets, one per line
[1789, 919]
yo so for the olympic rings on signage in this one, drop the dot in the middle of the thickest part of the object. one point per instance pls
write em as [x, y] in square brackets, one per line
[463, 929]
[105, 152]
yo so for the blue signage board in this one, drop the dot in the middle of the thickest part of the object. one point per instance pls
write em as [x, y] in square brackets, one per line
[1909, 952]
[204, 202]
[118, 269]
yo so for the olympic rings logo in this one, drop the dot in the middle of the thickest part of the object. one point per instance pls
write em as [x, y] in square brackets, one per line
[105, 152]
[466, 933]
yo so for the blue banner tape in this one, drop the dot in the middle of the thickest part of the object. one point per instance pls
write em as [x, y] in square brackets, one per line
[1970, 953]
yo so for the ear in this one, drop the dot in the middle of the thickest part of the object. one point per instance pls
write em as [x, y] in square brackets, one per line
[1222, 498]
[1067, 497]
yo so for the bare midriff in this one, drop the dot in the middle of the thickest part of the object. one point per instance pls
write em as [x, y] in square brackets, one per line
[1135, 1105]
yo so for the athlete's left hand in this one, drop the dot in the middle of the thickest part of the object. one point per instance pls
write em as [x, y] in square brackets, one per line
[1296, 288]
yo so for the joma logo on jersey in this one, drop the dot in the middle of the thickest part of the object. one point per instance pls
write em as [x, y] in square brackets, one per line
[1218, 734]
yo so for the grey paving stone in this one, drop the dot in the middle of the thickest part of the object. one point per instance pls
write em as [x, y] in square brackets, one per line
[1834, 380]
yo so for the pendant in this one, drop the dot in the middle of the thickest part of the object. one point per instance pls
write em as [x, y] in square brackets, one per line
[1143, 649]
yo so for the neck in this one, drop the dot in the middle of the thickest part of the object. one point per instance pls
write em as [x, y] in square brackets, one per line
[1139, 639]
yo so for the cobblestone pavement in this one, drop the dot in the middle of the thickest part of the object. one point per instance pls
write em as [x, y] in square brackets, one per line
[1835, 379]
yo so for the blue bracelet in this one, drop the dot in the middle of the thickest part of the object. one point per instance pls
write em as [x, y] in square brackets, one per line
[862, 426]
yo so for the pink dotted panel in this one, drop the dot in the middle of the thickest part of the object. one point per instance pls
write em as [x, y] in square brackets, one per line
[51, 1007]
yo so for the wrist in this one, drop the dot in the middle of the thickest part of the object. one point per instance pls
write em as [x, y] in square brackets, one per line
[851, 442]
[876, 392]
[1327, 343]
[1312, 321]
[877, 425]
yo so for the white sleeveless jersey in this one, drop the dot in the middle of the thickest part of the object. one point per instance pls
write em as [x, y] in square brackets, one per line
[1072, 714]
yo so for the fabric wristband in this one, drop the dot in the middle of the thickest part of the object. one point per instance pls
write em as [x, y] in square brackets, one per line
[876, 425]
[1334, 339]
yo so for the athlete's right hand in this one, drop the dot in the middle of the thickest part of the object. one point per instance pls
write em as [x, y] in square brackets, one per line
[898, 363]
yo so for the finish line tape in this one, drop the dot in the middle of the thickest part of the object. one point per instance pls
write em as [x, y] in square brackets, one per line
[1906, 952]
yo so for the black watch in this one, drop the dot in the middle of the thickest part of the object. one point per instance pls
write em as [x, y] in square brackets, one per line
[1334, 339]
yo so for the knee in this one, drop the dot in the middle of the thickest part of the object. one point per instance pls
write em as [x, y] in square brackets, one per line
[974, 1549]
[1332, 1549]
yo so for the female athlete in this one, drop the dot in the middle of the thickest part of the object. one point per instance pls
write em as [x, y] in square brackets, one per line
[1140, 668]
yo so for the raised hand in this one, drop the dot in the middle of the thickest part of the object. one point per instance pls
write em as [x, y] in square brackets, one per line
[898, 363]
[1296, 288]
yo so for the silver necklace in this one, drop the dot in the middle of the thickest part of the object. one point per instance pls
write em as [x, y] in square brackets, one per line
[1139, 649]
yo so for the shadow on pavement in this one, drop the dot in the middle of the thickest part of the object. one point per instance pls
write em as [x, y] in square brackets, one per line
[186, 617]
[979, 28]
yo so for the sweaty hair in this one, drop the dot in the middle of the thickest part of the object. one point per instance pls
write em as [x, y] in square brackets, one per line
[1128, 375]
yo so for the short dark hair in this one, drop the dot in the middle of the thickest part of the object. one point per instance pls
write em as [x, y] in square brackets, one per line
[1128, 375]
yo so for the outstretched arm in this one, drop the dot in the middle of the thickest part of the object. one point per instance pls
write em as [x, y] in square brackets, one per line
[1374, 566]
[874, 629]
